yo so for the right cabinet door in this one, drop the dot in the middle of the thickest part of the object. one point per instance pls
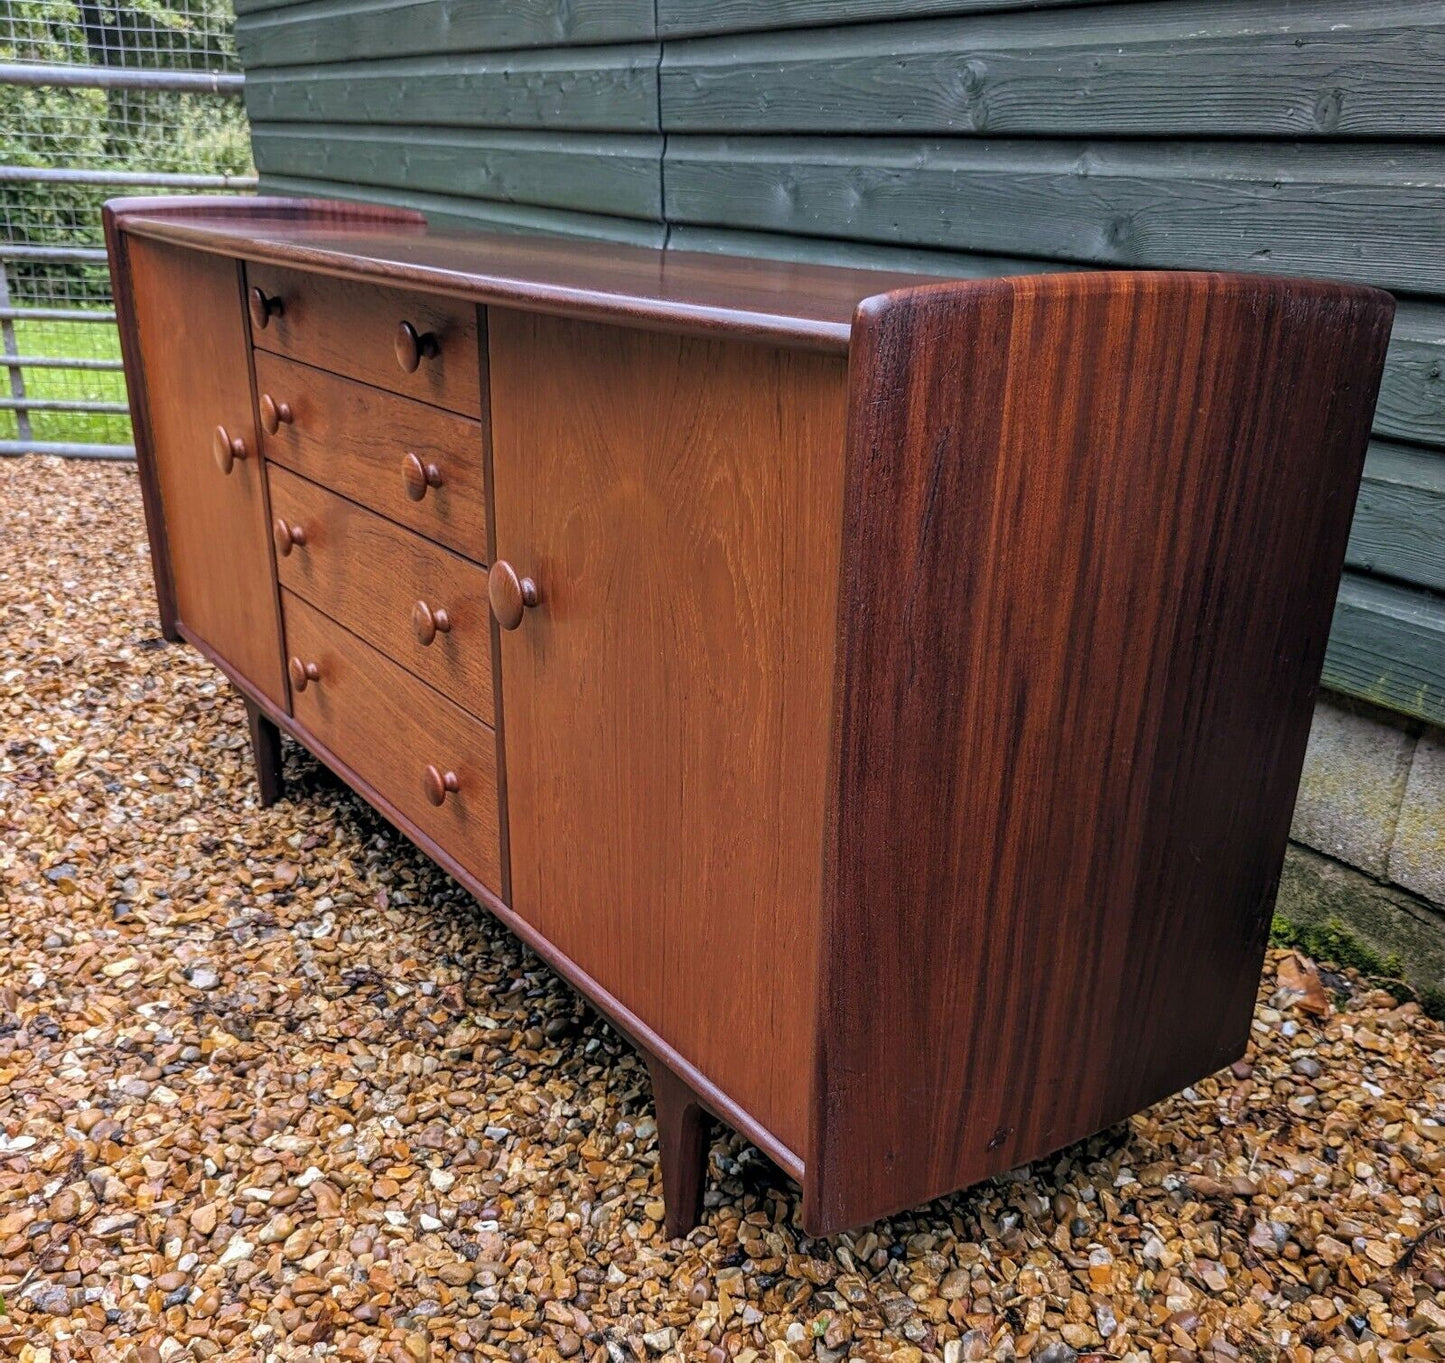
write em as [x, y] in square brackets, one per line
[196, 371]
[665, 704]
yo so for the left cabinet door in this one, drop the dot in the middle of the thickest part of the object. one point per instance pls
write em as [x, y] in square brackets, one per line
[195, 366]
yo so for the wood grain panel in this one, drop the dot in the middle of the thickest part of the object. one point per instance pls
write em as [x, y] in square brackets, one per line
[602, 89]
[1387, 645]
[369, 574]
[355, 30]
[1399, 526]
[1094, 525]
[388, 727]
[1367, 213]
[1412, 397]
[356, 440]
[1274, 68]
[350, 328]
[679, 17]
[756, 300]
[677, 502]
[592, 173]
[486, 215]
[194, 379]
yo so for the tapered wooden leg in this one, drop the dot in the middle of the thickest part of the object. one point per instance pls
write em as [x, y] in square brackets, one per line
[266, 750]
[682, 1132]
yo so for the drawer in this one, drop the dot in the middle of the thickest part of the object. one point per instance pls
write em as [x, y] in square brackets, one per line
[382, 582]
[352, 328]
[414, 463]
[399, 736]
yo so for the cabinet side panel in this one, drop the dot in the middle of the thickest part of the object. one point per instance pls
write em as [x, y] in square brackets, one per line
[678, 502]
[195, 369]
[1093, 530]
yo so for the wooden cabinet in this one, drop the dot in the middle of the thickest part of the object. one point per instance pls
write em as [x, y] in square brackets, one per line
[842, 679]
[190, 382]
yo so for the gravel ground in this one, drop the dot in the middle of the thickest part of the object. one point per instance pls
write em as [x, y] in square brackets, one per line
[272, 1087]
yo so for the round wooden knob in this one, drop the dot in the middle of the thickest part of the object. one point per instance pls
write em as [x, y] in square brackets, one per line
[439, 784]
[264, 307]
[413, 346]
[274, 414]
[227, 448]
[286, 535]
[302, 674]
[418, 476]
[509, 594]
[427, 623]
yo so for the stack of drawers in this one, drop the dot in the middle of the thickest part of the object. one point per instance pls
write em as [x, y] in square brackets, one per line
[375, 442]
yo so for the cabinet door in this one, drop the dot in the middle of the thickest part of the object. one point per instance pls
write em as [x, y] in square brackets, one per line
[665, 704]
[195, 365]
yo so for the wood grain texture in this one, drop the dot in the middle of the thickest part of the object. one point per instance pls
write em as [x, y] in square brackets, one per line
[1084, 607]
[798, 304]
[600, 89]
[355, 439]
[388, 727]
[1399, 526]
[368, 573]
[350, 328]
[1387, 645]
[484, 215]
[677, 503]
[356, 30]
[1274, 68]
[1367, 214]
[1412, 396]
[720, 1104]
[680, 17]
[195, 379]
[612, 173]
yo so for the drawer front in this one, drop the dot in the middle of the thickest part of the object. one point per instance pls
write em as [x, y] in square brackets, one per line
[381, 582]
[389, 728]
[352, 328]
[416, 464]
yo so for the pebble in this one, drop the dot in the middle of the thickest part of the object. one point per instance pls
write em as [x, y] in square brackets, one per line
[272, 1087]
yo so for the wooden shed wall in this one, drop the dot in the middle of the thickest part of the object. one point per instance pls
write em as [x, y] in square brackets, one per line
[958, 136]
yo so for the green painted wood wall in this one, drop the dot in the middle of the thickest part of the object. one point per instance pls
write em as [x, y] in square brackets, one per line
[956, 136]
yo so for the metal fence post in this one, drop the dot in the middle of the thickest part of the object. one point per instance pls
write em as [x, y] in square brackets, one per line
[12, 352]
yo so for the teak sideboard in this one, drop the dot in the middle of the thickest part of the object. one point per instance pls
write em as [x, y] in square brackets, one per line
[882, 697]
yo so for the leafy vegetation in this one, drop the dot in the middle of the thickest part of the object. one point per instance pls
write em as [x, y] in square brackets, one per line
[126, 130]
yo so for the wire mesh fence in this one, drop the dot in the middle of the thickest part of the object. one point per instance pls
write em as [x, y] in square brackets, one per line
[97, 98]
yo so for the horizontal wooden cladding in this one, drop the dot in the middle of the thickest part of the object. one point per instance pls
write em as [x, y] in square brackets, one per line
[370, 575]
[354, 30]
[1277, 68]
[351, 327]
[678, 17]
[1367, 214]
[1387, 644]
[598, 173]
[1399, 528]
[1412, 399]
[611, 89]
[360, 441]
[451, 210]
[388, 727]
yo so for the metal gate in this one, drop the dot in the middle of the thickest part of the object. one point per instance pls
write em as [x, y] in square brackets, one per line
[97, 98]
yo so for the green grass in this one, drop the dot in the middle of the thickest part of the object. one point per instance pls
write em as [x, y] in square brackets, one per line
[87, 340]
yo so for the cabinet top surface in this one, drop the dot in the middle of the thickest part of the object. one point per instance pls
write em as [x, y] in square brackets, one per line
[786, 302]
